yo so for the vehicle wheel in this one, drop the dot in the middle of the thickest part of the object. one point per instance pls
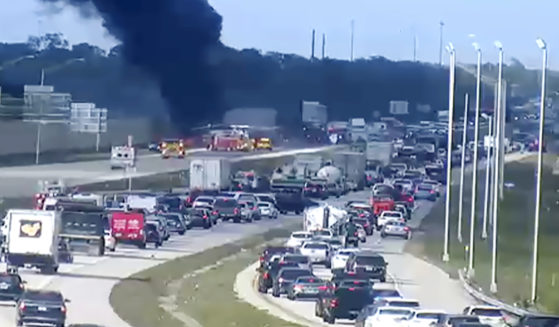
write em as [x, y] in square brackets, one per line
[207, 226]
[290, 297]
[262, 289]
[236, 220]
[181, 232]
[275, 292]
[328, 264]
[408, 237]
[383, 279]
[329, 319]
[382, 235]
[19, 323]
[316, 311]
[142, 245]
[112, 249]
[298, 212]
[60, 325]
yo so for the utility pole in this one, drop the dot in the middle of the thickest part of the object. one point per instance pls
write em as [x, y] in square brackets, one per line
[462, 164]
[450, 132]
[441, 23]
[414, 48]
[352, 38]
[323, 45]
[312, 44]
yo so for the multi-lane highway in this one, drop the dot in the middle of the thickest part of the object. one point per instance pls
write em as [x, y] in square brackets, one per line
[413, 277]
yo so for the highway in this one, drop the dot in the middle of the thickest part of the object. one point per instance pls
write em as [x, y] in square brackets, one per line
[414, 278]
[23, 180]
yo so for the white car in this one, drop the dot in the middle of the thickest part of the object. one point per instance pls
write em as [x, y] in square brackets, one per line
[387, 216]
[424, 318]
[323, 234]
[386, 316]
[396, 228]
[318, 252]
[203, 201]
[361, 233]
[489, 315]
[297, 239]
[398, 302]
[267, 210]
[339, 260]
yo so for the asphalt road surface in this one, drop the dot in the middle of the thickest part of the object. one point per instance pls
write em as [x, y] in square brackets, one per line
[89, 280]
[414, 278]
[24, 180]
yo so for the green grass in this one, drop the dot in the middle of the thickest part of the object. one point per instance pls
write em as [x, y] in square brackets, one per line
[136, 299]
[515, 240]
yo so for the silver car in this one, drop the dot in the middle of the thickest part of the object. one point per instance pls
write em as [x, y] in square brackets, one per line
[396, 228]
[425, 191]
[318, 252]
[268, 210]
[247, 213]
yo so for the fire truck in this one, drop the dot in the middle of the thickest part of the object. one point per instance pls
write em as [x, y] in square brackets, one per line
[172, 148]
[230, 140]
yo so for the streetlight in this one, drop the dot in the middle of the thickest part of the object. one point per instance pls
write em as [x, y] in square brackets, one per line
[40, 121]
[53, 68]
[543, 47]
[452, 70]
[493, 286]
[462, 164]
[474, 168]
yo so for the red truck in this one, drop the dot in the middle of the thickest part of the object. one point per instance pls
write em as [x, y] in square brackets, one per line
[128, 227]
[381, 204]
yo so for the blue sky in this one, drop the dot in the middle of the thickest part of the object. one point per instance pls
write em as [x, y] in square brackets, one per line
[382, 27]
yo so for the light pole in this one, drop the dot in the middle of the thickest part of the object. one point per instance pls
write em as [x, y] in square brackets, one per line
[488, 160]
[441, 23]
[543, 47]
[462, 164]
[452, 70]
[40, 121]
[493, 286]
[15, 61]
[474, 168]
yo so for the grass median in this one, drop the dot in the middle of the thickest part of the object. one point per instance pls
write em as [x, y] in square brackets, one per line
[515, 237]
[206, 298]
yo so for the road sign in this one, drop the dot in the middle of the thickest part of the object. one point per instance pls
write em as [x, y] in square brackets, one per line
[86, 118]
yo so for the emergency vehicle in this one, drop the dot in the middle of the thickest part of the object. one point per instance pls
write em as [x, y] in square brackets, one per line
[262, 143]
[122, 157]
[172, 148]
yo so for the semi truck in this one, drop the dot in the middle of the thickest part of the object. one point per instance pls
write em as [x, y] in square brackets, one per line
[309, 163]
[352, 164]
[33, 237]
[210, 174]
[322, 217]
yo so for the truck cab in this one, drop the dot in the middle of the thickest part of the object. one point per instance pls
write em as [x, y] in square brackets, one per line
[128, 227]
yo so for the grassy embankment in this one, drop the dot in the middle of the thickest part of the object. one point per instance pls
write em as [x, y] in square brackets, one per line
[515, 236]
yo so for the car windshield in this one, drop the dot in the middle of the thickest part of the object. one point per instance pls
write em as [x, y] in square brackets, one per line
[404, 304]
[430, 315]
[395, 312]
[324, 233]
[309, 280]
[396, 223]
[265, 198]
[424, 187]
[296, 258]
[225, 203]
[487, 312]
[316, 246]
[9, 279]
[300, 235]
[42, 296]
[294, 273]
[263, 205]
[386, 293]
[370, 260]
[335, 242]
[392, 214]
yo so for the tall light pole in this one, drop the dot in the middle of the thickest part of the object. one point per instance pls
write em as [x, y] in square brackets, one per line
[452, 71]
[488, 160]
[543, 47]
[493, 286]
[352, 38]
[441, 24]
[474, 168]
[462, 164]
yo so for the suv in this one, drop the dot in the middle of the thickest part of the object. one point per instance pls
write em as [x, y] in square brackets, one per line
[369, 264]
[285, 277]
[342, 303]
[41, 307]
[11, 287]
[269, 271]
[227, 208]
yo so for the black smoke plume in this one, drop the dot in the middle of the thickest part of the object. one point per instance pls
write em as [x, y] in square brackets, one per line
[171, 40]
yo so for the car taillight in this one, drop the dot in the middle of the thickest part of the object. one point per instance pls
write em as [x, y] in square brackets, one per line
[351, 289]
[63, 309]
[215, 212]
[261, 258]
[361, 215]
[369, 178]
[407, 229]
[22, 306]
[432, 191]
[355, 234]
[334, 303]
[236, 211]
[410, 199]
[280, 280]
[298, 287]
[204, 217]
[355, 282]
[266, 275]
[322, 288]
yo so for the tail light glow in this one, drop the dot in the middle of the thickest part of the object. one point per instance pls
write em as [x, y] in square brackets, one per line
[215, 212]
[63, 309]
[236, 211]
[281, 280]
[22, 306]
[266, 275]
[204, 217]
[334, 303]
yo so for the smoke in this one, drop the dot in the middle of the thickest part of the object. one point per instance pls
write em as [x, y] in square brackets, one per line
[172, 41]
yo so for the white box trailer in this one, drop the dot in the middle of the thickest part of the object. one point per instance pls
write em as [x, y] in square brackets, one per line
[33, 238]
[210, 174]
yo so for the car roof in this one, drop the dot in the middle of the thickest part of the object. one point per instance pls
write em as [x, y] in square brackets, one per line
[430, 311]
[394, 298]
[385, 307]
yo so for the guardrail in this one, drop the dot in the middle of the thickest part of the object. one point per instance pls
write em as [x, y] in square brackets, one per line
[481, 297]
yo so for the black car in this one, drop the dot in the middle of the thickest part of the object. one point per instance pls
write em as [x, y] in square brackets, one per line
[367, 226]
[272, 250]
[227, 208]
[200, 217]
[152, 234]
[538, 321]
[370, 264]
[285, 277]
[175, 223]
[11, 287]
[343, 303]
[41, 307]
[269, 272]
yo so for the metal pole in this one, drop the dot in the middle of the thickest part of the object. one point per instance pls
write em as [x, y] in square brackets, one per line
[414, 48]
[441, 44]
[352, 37]
[42, 76]
[487, 179]
[446, 256]
[97, 141]
[503, 115]
[38, 141]
[462, 164]
[471, 271]
[539, 180]
[493, 286]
